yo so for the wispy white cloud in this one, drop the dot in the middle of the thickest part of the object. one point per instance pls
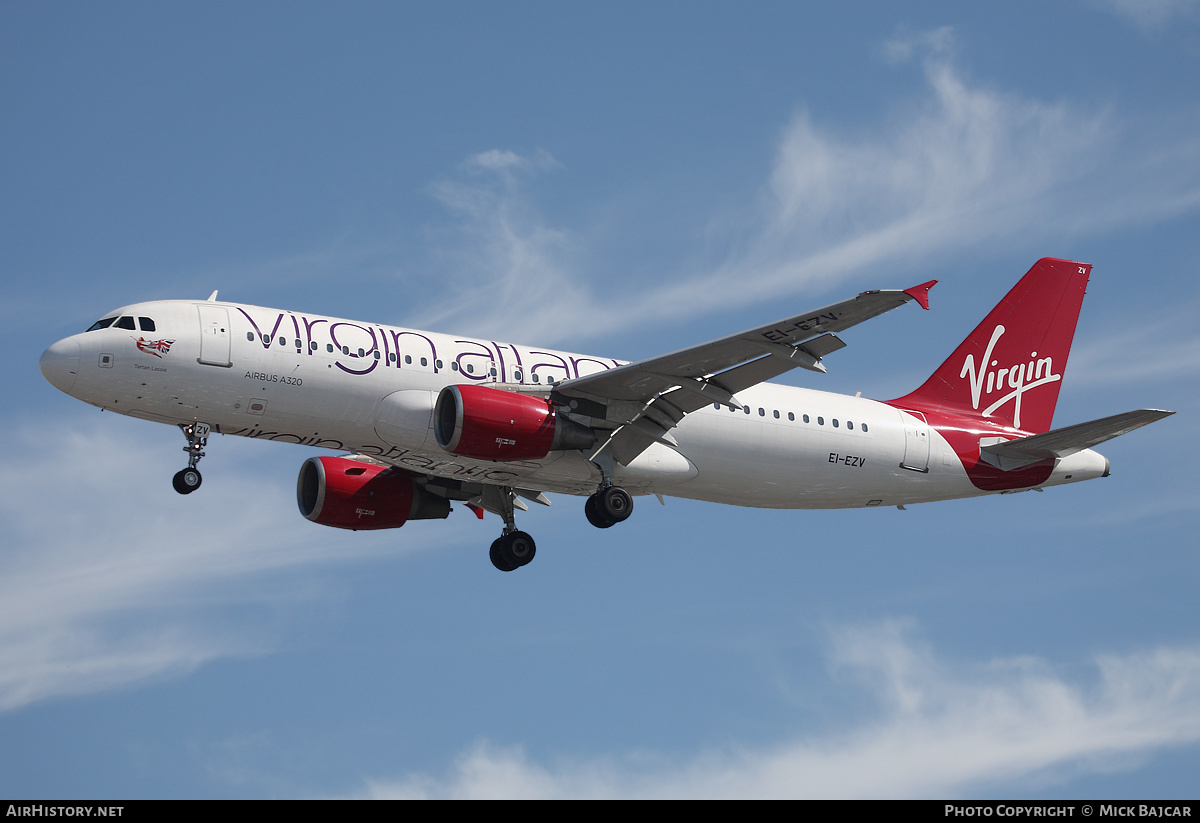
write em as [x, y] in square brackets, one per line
[1151, 15]
[1177, 502]
[1146, 357]
[943, 729]
[132, 583]
[332, 259]
[503, 160]
[966, 167]
[905, 46]
[963, 166]
[503, 261]
[1166, 349]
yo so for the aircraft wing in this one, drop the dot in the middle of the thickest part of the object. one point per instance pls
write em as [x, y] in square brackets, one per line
[640, 402]
[479, 497]
[1012, 454]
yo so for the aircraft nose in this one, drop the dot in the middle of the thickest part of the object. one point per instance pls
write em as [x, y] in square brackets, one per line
[60, 364]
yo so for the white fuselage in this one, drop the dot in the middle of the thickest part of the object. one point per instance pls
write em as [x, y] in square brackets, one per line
[367, 388]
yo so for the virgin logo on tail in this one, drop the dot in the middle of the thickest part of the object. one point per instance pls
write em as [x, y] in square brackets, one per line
[986, 380]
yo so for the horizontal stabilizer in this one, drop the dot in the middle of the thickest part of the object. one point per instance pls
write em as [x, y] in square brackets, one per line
[1013, 454]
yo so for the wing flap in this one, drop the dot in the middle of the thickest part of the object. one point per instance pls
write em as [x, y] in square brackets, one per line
[479, 496]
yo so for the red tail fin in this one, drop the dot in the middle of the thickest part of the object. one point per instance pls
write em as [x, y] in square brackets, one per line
[1010, 368]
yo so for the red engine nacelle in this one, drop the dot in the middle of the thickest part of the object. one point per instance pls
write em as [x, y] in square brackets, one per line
[354, 494]
[491, 424]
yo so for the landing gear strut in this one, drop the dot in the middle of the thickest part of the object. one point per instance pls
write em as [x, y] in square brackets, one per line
[610, 504]
[514, 548]
[188, 480]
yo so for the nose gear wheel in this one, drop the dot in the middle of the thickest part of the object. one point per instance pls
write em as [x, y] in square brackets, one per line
[188, 480]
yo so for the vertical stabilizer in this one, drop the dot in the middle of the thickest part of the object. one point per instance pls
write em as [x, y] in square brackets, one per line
[1009, 370]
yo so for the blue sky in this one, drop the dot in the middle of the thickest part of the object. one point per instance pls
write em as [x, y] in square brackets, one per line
[624, 179]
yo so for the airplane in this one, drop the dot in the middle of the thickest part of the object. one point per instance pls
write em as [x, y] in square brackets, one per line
[423, 419]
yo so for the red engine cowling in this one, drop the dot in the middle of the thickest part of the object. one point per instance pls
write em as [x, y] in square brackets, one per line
[491, 424]
[354, 494]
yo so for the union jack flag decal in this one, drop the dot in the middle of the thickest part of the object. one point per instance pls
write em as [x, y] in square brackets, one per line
[155, 347]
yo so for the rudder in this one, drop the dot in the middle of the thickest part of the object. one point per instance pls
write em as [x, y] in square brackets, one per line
[1010, 368]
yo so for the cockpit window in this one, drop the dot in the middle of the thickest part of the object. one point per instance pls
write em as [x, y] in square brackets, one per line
[146, 323]
[102, 324]
[125, 323]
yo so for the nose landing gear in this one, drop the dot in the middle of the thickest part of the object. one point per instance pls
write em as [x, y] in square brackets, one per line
[188, 480]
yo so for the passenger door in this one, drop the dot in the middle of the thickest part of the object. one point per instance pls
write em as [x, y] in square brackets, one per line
[214, 335]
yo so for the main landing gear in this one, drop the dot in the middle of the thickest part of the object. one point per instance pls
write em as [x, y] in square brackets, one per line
[609, 506]
[514, 548]
[188, 480]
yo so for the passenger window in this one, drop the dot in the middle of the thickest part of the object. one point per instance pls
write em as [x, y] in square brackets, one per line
[820, 421]
[146, 323]
[102, 324]
[806, 419]
[835, 423]
[791, 417]
[250, 336]
[864, 426]
[850, 425]
[408, 359]
[329, 347]
[424, 361]
[777, 414]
